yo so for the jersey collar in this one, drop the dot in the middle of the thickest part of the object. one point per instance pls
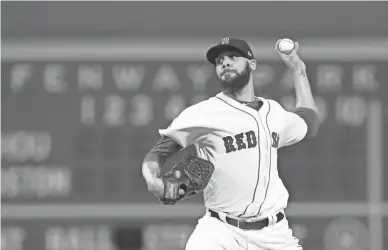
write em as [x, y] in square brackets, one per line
[238, 104]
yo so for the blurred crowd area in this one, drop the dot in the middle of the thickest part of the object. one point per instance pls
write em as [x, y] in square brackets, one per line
[85, 86]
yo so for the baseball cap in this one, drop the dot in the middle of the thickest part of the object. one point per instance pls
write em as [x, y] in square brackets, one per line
[229, 44]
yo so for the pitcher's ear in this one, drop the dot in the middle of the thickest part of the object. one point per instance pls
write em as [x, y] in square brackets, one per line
[252, 64]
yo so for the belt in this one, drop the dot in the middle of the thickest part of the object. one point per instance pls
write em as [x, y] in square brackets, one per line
[255, 225]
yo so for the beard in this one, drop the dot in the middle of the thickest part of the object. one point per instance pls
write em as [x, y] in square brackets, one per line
[233, 84]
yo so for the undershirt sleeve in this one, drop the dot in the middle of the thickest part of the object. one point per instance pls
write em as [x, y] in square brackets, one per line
[312, 120]
[165, 148]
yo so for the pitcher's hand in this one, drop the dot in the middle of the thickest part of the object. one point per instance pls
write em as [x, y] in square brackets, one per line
[292, 60]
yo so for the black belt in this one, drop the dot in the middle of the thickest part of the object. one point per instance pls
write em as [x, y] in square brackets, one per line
[255, 225]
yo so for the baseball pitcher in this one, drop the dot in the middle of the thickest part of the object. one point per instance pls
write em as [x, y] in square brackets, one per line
[236, 135]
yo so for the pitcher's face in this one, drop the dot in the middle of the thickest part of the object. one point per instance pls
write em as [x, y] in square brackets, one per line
[232, 70]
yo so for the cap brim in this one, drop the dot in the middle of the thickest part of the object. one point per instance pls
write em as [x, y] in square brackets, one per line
[214, 51]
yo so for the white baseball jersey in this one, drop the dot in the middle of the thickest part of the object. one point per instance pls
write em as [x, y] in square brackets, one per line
[242, 144]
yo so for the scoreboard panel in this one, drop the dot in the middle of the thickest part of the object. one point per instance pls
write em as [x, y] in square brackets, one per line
[78, 131]
[74, 132]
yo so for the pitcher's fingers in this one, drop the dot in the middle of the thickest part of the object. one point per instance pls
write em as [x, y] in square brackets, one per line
[296, 46]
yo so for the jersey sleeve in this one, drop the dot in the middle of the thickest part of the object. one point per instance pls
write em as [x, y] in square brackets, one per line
[185, 129]
[293, 127]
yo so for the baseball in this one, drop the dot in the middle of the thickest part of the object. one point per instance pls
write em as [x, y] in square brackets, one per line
[286, 46]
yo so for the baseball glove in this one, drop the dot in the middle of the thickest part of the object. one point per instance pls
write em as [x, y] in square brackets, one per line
[192, 174]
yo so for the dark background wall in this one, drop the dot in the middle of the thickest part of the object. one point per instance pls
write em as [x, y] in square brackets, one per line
[337, 19]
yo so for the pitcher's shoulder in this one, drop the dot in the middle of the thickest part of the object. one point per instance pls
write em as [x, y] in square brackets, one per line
[199, 107]
[205, 104]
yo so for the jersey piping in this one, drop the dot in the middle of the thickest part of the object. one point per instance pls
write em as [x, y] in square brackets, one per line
[258, 172]
[270, 160]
